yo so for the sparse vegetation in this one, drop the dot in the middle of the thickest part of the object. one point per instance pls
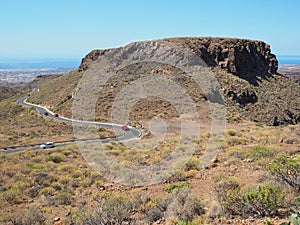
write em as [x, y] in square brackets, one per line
[261, 201]
[58, 180]
[287, 171]
[32, 216]
[259, 152]
[172, 187]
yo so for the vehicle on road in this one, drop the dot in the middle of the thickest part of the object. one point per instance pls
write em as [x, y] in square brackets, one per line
[47, 145]
[46, 113]
[125, 128]
[55, 115]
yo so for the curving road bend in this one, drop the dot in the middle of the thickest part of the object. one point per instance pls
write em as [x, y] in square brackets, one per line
[132, 133]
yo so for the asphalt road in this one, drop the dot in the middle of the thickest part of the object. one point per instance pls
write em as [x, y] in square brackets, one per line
[132, 133]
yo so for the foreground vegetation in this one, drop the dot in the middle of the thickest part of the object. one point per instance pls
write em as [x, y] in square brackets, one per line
[254, 178]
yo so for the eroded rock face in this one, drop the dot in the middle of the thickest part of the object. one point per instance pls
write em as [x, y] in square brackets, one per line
[245, 58]
[89, 58]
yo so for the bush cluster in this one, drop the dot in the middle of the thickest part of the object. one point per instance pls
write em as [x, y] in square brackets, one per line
[264, 200]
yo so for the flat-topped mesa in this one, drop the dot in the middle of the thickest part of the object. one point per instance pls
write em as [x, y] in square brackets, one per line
[245, 58]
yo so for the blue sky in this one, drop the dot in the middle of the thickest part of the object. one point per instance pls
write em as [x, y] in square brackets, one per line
[70, 28]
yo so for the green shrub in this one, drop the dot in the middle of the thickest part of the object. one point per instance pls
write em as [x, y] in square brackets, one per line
[264, 200]
[186, 223]
[231, 132]
[101, 129]
[64, 197]
[56, 157]
[67, 168]
[287, 171]
[192, 164]
[258, 152]
[65, 180]
[67, 152]
[36, 166]
[11, 195]
[22, 185]
[85, 182]
[47, 191]
[233, 140]
[171, 187]
[259, 201]
[227, 189]
[235, 152]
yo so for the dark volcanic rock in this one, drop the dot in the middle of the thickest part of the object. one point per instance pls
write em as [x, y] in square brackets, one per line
[245, 58]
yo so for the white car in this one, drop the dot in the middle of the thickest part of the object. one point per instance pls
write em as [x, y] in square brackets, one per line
[47, 145]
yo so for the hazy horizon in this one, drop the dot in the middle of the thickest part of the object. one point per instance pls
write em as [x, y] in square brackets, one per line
[41, 63]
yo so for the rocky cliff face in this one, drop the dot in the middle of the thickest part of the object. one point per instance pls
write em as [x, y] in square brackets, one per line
[245, 58]
[89, 58]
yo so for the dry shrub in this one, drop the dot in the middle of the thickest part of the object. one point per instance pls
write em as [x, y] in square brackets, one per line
[184, 205]
[33, 216]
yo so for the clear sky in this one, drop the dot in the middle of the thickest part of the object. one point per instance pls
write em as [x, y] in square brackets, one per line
[71, 28]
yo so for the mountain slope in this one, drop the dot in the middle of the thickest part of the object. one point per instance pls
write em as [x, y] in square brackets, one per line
[245, 69]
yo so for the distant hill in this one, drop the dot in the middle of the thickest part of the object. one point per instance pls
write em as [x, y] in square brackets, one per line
[245, 69]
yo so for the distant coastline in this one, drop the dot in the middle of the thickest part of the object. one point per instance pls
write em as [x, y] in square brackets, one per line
[288, 59]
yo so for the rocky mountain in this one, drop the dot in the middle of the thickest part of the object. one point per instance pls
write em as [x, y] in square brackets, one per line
[246, 70]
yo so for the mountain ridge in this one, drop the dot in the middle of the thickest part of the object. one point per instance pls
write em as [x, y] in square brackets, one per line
[245, 69]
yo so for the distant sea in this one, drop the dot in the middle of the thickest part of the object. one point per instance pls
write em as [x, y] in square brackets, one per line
[38, 63]
[288, 59]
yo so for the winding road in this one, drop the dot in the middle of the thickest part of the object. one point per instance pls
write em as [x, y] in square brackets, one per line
[132, 133]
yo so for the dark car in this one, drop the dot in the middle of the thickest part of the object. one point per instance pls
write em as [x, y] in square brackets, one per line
[46, 113]
[55, 115]
[125, 128]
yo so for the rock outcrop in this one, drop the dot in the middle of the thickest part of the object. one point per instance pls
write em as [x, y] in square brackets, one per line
[89, 58]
